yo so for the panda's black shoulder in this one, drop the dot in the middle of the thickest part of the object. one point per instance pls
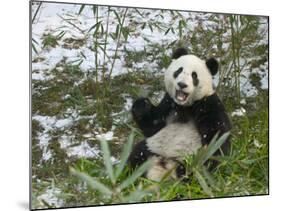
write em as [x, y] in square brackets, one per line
[211, 109]
[210, 113]
[209, 103]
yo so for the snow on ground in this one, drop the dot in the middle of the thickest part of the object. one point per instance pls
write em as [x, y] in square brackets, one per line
[257, 143]
[238, 112]
[83, 150]
[51, 197]
[124, 115]
[50, 124]
[108, 136]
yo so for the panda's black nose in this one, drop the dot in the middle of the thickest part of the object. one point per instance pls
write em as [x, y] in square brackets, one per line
[182, 85]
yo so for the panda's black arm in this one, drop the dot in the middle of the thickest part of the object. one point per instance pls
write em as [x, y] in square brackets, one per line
[164, 107]
[150, 118]
[210, 118]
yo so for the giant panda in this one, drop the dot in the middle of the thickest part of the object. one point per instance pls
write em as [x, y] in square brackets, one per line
[186, 119]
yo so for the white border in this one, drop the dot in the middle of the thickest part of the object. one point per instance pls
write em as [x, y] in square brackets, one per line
[14, 110]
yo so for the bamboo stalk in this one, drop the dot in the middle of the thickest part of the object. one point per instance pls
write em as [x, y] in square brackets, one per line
[105, 45]
[118, 40]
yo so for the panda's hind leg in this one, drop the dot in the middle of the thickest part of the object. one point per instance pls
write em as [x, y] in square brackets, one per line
[162, 168]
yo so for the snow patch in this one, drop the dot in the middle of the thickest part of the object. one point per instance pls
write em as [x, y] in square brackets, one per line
[51, 197]
[238, 112]
[82, 150]
[108, 136]
[257, 143]
[243, 102]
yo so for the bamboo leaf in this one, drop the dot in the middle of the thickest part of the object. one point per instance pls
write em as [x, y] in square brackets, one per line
[81, 61]
[200, 155]
[117, 31]
[34, 48]
[125, 33]
[125, 154]
[61, 34]
[102, 29]
[83, 55]
[136, 174]
[203, 183]
[167, 31]
[94, 8]
[150, 26]
[92, 182]
[81, 9]
[139, 13]
[117, 16]
[209, 177]
[180, 28]
[135, 196]
[94, 26]
[97, 28]
[214, 146]
[107, 161]
[184, 23]
[33, 40]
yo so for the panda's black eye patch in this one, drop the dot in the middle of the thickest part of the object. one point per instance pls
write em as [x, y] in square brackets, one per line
[195, 78]
[177, 72]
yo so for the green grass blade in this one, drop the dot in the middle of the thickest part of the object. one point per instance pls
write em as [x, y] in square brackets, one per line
[209, 177]
[135, 196]
[92, 182]
[203, 183]
[199, 157]
[107, 161]
[171, 192]
[137, 173]
[125, 154]
[214, 146]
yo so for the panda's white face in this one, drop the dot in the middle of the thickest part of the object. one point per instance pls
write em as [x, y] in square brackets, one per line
[188, 79]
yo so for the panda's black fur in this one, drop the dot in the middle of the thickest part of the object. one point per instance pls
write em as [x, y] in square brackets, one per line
[208, 115]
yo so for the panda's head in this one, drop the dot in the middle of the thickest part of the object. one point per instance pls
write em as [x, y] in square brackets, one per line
[188, 78]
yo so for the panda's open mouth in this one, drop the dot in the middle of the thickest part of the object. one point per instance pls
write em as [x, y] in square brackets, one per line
[181, 96]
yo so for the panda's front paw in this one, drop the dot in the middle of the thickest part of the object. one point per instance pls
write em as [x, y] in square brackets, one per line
[141, 107]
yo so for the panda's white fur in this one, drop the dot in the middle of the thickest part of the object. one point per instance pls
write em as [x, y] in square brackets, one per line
[157, 171]
[179, 139]
[175, 140]
[189, 63]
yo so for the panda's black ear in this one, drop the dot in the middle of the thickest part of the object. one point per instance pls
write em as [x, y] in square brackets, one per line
[179, 52]
[212, 65]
